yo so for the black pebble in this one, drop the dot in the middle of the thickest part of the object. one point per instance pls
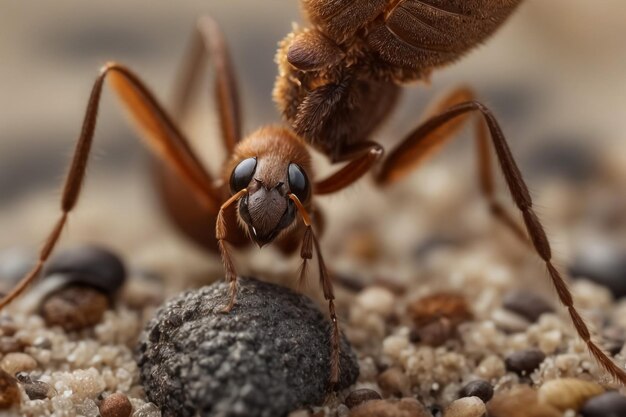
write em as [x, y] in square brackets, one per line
[479, 388]
[268, 356]
[523, 362]
[563, 156]
[360, 396]
[89, 265]
[609, 404]
[603, 265]
[527, 304]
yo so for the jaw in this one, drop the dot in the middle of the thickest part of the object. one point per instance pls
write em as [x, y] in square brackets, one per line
[266, 221]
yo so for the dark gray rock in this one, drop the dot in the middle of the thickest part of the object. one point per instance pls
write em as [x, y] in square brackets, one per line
[267, 357]
[604, 264]
[89, 265]
[478, 388]
[609, 404]
[523, 362]
[527, 304]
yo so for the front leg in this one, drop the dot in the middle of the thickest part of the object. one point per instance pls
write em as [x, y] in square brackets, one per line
[229, 266]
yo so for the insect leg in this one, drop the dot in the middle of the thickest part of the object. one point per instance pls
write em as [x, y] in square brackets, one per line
[308, 242]
[422, 140]
[208, 42]
[227, 259]
[160, 134]
[361, 160]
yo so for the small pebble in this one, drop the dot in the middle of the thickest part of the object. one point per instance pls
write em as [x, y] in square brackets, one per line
[406, 407]
[9, 391]
[74, 307]
[9, 344]
[36, 390]
[16, 362]
[89, 265]
[609, 404]
[360, 396]
[442, 305]
[466, 407]
[520, 401]
[604, 264]
[568, 393]
[268, 356]
[527, 304]
[478, 388]
[437, 316]
[7, 326]
[394, 382]
[523, 362]
[377, 300]
[116, 405]
[509, 321]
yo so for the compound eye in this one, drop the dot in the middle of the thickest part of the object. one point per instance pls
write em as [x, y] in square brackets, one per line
[298, 182]
[242, 175]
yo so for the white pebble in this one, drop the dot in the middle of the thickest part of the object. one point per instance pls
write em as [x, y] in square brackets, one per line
[377, 300]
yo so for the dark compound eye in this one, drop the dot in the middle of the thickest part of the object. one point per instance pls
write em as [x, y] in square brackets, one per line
[298, 182]
[242, 175]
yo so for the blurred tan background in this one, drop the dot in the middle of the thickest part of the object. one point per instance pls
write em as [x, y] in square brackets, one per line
[554, 75]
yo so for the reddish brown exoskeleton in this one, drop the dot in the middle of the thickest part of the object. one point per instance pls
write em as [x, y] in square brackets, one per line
[340, 78]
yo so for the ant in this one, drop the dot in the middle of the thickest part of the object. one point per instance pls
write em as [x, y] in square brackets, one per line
[265, 193]
[338, 81]
[340, 78]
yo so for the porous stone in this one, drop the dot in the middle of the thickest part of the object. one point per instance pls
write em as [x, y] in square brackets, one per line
[610, 404]
[268, 356]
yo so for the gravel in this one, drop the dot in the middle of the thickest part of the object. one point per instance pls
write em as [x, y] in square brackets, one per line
[266, 357]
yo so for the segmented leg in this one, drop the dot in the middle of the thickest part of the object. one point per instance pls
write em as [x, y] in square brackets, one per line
[361, 158]
[423, 139]
[160, 134]
[427, 139]
[227, 259]
[208, 42]
[310, 241]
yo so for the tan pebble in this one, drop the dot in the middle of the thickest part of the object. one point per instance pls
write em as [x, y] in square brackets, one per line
[74, 307]
[9, 392]
[406, 407]
[377, 300]
[16, 362]
[491, 367]
[394, 382]
[116, 405]
[508, 321]
[466, 407]
[520, 401]
[568, 393]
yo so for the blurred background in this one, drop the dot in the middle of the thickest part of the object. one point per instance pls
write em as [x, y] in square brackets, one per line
[554, 75]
